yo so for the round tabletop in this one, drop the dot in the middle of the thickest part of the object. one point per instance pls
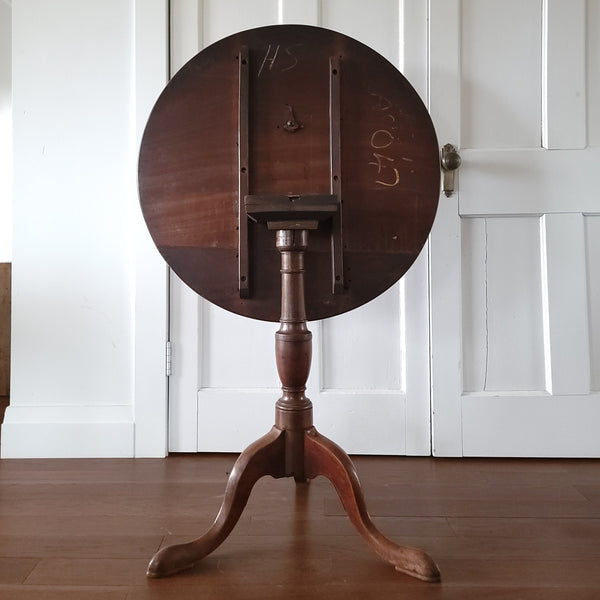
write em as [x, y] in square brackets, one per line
[289, 126]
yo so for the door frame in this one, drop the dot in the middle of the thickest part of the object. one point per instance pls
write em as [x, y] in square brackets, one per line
[149, 272]
[445, 296]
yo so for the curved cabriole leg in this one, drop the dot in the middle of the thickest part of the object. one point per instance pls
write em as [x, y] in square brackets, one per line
[324, 457]
[263, 457]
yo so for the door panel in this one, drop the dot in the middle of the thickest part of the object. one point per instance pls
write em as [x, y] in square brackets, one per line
[500, 95]
[592, 242]
[592, 48]
[502, 304]
[519, 288]
[220, 18]
[345, 365]
[377, 27]
[233, 350]
[369, 381]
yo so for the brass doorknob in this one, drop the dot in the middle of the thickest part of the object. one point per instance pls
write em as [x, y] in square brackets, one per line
[450, 158]
[450, 161]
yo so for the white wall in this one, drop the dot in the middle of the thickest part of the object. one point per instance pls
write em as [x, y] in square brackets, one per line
[89, 295]
[5, 132]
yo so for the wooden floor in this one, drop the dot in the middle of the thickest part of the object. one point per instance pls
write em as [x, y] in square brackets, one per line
[499, 529]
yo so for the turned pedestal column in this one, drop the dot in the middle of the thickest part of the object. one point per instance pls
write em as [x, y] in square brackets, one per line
[293, 447]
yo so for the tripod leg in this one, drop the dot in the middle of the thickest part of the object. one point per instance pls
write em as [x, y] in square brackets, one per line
[264, 457]
[324, 457]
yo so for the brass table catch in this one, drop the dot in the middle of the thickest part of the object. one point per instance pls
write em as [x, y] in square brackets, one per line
[291, 125]
[450, 162]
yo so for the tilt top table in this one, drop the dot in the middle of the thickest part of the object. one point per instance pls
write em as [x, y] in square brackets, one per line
[276, 152]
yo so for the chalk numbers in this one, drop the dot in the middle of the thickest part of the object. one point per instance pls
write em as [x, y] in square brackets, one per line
[382, 143]
[278, 59]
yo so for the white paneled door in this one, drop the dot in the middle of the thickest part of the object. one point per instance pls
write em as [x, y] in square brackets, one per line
[369, 381]
[515, 256]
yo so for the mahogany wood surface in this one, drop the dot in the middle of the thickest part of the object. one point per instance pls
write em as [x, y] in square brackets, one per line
[293, 447]
[190, 171]
[240, 135]
[267, 456]
[324, 457]
[499, 529]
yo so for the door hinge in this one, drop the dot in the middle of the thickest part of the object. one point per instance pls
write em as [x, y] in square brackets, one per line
[168, 359]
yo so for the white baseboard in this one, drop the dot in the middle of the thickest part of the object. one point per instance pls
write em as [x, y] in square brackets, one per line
[67, 432]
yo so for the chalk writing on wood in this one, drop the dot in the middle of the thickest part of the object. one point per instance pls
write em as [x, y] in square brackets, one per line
[382, 142]
[278, 61]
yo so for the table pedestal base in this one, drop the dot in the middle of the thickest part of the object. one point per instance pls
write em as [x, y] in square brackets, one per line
[268, 456]
[293, 447]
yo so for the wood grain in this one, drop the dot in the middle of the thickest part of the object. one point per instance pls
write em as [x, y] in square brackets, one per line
[86, 529]
[189, 169]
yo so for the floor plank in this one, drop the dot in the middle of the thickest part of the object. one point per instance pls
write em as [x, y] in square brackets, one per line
[88, 571]
[499, 529]
[8, 592]
[15, 570]
[73, 546]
